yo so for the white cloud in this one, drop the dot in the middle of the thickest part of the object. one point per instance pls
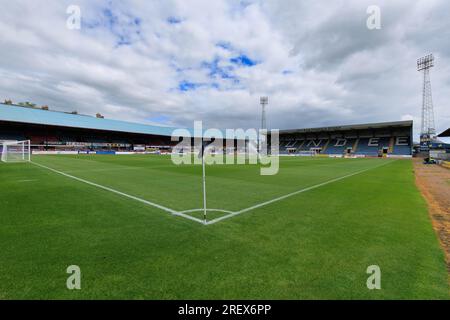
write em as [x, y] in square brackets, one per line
[316, 60]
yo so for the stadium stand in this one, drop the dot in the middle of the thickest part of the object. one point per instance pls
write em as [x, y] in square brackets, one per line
[61, 131]
[371, 140]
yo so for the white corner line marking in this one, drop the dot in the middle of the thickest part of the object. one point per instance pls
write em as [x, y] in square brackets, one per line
[176, 213]
[262, 204]
[208, 209]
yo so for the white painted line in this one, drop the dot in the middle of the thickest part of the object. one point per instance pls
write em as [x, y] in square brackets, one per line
[176, 213]
[201, 209]
[262, 204]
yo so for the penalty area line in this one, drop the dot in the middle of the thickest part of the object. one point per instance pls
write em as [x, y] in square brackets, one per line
[265, 203]
[171, 211]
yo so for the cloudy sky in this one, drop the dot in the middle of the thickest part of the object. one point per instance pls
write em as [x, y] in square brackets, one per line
[175, 61]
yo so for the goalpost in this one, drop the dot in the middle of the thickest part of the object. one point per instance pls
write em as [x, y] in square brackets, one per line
[16, 151]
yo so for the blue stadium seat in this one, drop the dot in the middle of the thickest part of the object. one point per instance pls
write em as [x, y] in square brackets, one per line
[307, 145]
[333, 149]
[364, 148]
[402, 149]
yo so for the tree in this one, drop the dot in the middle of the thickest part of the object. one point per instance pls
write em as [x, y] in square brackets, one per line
[8, 101]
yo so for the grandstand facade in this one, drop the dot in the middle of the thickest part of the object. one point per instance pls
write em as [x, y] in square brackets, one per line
[373, 140]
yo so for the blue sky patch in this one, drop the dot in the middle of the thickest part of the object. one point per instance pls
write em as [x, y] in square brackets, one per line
[111, 19]
[224, 45]
[245, 3]
[123, 41]
[188, 86]
[125, 27]
[174, 20]
[243, 60]
[90, 24]
[224, 72]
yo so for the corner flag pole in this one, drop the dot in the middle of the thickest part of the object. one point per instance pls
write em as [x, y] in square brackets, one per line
[204, 187]
[202, 154]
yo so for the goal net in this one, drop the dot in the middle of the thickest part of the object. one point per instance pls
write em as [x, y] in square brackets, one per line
[15, 151]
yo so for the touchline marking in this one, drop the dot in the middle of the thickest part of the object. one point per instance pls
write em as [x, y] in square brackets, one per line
[262, 204]
[176, 213]
[208, 209]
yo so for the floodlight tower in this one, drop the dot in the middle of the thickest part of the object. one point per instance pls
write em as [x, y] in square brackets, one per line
[263, 101]
[428, 130]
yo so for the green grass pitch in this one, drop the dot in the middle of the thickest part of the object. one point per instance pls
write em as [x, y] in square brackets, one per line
[312, 245]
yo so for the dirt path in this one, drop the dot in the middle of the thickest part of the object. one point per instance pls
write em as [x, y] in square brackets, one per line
[434, 183]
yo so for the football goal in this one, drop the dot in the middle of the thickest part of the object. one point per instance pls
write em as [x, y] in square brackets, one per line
[15, 151]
